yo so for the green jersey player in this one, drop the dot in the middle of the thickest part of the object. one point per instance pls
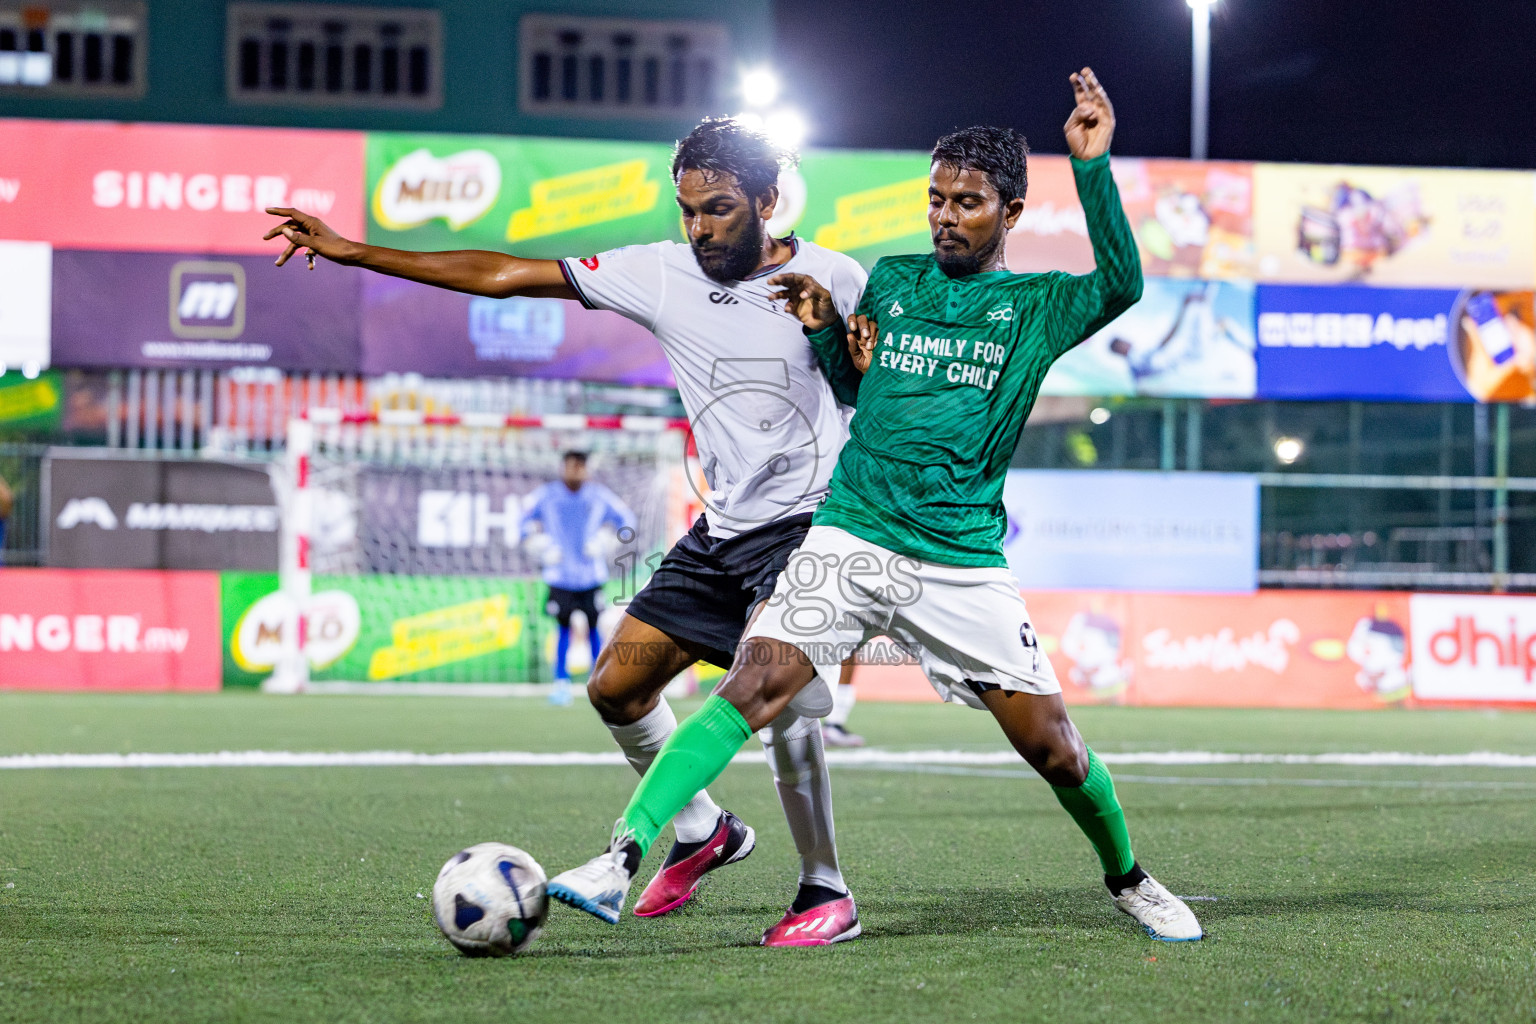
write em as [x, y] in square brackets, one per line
[908, 542]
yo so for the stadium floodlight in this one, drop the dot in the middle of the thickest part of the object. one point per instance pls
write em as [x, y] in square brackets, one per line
[751, 119]
[759, 87]
[786, 128]
[1200, 84]
[1099, 416]
[1288, 450]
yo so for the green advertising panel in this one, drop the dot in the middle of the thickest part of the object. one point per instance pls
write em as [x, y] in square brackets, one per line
[866, 204]
[461, 629]
[565, 197]
[542, 198]
[33, 406]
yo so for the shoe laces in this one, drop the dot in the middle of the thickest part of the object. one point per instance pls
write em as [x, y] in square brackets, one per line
[623, 835]
[1148, 893]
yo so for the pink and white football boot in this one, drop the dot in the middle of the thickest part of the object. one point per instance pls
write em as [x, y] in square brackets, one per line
[837, 921]
[676, 882]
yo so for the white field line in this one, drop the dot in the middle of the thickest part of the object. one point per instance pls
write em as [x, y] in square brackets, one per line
[870, 757]
[1208, 780]
[432, 689]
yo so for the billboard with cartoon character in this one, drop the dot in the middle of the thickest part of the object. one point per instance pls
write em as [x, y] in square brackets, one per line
[1273, 649]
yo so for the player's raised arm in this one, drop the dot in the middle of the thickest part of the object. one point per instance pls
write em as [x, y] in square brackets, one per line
[494, 274]
[1097, 298]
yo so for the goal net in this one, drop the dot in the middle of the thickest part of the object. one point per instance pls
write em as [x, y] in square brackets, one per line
[403, 558]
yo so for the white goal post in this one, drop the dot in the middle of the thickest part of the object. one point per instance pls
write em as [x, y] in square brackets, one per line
[403, 492]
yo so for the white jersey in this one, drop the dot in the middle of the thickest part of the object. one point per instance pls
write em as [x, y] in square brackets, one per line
[766, 424]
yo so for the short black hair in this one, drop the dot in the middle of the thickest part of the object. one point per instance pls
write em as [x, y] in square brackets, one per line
[724, 145]
[579, 456]
[999, 153]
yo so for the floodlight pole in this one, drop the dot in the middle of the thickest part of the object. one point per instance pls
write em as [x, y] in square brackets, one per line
[1200, 85]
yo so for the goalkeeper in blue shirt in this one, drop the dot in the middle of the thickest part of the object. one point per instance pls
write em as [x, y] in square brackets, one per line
[572, 514]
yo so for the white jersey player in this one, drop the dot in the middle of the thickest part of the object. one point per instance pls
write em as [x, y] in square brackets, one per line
[768, 426]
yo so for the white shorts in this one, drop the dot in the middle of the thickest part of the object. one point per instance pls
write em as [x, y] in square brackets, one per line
[966, 626]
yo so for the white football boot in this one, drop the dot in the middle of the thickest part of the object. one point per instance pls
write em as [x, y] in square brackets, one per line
[600, 885]
[1164, 916]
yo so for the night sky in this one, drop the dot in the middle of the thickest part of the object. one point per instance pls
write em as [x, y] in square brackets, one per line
[1349, 81]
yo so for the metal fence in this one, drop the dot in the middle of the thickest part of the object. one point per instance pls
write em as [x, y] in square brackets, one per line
[1426, 497]
[21, 468]
[246, 410]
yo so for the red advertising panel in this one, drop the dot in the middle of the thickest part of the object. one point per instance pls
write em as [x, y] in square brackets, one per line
[78, 629]
[186, 188]
[1273, 649]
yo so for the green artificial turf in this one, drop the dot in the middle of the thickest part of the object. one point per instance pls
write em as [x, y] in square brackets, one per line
[203, 894]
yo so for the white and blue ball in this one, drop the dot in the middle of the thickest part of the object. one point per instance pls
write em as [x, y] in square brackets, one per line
[489, 900]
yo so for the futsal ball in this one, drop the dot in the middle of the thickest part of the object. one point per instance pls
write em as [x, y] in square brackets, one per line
[489, 900]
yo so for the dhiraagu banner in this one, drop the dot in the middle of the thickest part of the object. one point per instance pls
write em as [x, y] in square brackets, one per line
[377, 628]
[543, 198]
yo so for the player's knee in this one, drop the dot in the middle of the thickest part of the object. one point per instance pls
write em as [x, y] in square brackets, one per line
[615, 695]
[764, 679]
[1061, 759]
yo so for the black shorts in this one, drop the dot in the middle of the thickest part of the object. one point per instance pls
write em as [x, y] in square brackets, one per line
[706, 586]
[563, 602]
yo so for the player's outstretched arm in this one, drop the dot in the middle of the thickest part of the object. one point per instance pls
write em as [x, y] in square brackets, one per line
[477, 272]
[1089, 302]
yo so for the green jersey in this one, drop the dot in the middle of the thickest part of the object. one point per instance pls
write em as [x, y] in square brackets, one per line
[956, 369]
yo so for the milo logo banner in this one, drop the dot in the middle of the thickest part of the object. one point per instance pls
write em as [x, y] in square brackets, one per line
[378, 628]
[541, 198]
[866, 204]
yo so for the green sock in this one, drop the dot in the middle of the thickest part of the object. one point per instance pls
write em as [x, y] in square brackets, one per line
[692, 758]
[1097, 812]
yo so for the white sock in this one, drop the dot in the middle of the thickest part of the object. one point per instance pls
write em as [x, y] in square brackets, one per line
[799, 763]
[641, 741]
[843, 700]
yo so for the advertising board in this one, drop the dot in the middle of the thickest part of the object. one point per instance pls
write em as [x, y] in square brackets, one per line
[99, 630]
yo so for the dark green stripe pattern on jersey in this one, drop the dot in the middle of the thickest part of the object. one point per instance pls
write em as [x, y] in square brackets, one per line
[956, 371]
